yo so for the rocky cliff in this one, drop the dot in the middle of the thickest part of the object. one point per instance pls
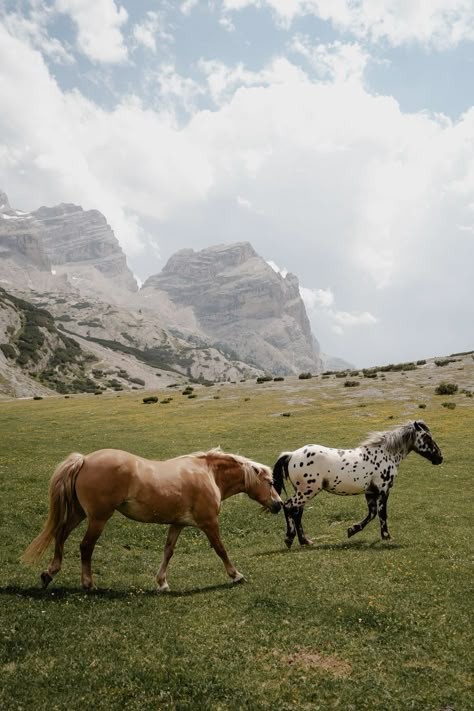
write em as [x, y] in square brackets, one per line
[82, 244]
[240, 301]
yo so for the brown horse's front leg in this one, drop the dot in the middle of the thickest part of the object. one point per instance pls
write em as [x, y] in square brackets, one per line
[173, 534]
[212, 532]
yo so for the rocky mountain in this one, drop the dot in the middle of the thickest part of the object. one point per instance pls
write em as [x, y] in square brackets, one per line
[237, 299]
[215, 315]
[81, 244]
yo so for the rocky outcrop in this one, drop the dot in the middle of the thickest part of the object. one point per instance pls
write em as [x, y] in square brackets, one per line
[21, 238]
[239, 301]
[80, 242]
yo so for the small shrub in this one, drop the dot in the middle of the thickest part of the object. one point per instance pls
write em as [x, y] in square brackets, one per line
[137, 381]
[446, 389]
[305, 376]
[188, 390]
[278, 379]
[37, 397]
[351, 383]
[421, 362]
[449, 405]
[98, 392]
[149, 400]
[422, 406]
[8, 350]
[286, 414]
[192, 396]
[264, 378]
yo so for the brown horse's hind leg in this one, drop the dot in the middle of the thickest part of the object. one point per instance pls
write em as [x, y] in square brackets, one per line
[173, 534]
[212, 532]
[54, 567]
[94, 529]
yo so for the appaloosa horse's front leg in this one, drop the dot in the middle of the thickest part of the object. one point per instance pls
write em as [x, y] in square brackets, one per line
[371, 499]
[172, 537]
[382, 512]
[212, 532]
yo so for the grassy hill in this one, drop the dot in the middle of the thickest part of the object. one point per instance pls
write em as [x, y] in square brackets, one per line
[356, 624]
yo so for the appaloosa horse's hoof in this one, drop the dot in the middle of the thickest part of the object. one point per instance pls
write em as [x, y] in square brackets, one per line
[45, 578]
[288, 542]
[307, 542]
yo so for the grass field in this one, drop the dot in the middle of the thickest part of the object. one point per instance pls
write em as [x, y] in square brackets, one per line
[356, 624]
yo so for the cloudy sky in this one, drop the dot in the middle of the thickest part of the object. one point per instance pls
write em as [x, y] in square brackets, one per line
[337, 136]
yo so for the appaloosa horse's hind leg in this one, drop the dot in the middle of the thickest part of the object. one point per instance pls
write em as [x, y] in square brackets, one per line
[94, 529]
[172, 537]
[294, 527]
[372, 499]
[54, 567]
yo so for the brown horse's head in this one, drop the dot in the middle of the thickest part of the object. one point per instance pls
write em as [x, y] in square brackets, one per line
[259, 486]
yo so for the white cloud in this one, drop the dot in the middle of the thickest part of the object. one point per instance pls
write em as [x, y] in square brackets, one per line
[339, 184]
[152, 28]
[33, 28]
[314, 298]
[440, 23]
[98, 26]
[336, 61]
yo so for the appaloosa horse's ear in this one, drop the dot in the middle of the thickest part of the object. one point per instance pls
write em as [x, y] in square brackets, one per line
[420, 425]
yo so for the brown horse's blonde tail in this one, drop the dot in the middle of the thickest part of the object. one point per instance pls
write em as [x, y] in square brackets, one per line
[62, 503]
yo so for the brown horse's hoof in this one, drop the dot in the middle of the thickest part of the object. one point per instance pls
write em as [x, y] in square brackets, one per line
[164, 588]
[239, 578]
[45, 579]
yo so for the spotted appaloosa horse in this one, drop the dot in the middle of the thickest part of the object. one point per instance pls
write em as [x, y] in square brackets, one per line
[185, 491]
[368, 469]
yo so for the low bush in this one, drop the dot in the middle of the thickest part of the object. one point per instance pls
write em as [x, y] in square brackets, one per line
[449, 405]
[305, 376]
[351, 383]
[149, 400]
[446, 389]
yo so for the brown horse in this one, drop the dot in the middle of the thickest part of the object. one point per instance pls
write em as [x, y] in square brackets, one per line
[184, 491]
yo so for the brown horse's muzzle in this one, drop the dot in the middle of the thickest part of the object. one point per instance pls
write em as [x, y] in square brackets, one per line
[276, 507]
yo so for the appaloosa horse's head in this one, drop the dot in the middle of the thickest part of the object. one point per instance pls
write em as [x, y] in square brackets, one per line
[424, 444]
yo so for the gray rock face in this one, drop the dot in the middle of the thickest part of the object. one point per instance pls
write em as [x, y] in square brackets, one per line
[240, 302]
[77, 238]
[21, 238]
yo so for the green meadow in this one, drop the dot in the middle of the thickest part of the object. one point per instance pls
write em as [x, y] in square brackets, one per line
[345, 624]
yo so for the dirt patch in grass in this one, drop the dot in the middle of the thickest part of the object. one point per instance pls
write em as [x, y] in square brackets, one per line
[310, 659]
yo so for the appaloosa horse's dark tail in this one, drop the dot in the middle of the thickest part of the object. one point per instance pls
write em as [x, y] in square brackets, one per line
[280, 472]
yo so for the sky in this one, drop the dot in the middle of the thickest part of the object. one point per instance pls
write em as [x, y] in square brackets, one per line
[336, 136]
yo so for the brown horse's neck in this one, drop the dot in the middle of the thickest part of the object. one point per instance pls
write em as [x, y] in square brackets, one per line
[229, 477]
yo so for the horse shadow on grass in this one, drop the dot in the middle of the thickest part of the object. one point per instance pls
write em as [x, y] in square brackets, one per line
[376, 546]
[56, 594]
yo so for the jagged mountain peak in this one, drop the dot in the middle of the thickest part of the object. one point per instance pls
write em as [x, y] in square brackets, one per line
[239, 300]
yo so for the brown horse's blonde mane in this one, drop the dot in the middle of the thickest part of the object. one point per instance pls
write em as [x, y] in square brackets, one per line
[253, 471]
